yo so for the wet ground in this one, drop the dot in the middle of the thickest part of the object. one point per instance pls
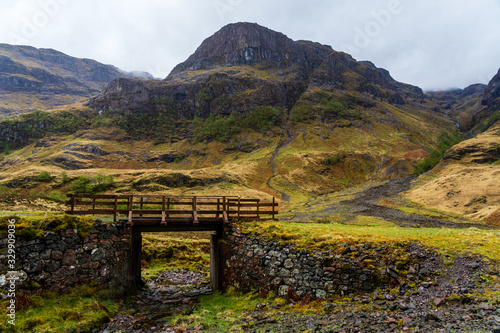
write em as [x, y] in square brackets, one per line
[170, 294]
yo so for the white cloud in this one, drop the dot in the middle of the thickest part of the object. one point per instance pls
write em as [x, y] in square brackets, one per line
[433, 44]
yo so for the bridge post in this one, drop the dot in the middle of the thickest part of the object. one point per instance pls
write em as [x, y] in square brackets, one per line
[216, 260]
[134, 282]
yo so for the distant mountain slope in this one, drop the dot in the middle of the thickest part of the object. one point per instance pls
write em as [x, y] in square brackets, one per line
[467, 180]
[33, 78]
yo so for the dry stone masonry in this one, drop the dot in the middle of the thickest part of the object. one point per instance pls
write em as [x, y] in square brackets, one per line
[256, 263]
[65, 258]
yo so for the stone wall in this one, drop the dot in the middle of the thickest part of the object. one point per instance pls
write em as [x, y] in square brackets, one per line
[264, 265]
[64, 259]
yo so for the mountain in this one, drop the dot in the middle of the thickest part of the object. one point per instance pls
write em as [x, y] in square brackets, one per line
[474, 161]
[250, 111]
[244, 66]
[492, 92]
[33, 78]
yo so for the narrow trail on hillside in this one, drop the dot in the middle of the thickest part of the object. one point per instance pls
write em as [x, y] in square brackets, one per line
[274, 169]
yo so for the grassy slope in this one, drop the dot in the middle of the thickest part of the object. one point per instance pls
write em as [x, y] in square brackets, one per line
[378, 143]
[465, 186]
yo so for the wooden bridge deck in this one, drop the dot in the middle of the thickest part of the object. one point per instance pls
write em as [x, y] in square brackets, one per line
[201, 212]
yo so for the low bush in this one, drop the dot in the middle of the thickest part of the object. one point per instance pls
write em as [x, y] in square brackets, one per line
[44, 176]
[89, 185]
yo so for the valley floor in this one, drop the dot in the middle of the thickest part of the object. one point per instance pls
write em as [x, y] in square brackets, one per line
[458, 290]
[459, 300]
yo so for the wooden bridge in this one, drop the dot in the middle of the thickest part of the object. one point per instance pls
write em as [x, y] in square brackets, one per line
[199, 212]
[154, 213]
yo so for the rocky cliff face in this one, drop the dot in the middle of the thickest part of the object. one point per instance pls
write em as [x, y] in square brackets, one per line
[245, 65]
[248, 44]
[33, 78]
[492, 92]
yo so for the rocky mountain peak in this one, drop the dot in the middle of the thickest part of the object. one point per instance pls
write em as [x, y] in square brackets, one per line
[242, 44]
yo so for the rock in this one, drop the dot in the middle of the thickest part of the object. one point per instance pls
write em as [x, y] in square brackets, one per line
[284, 273]
[288, 264]
[283, 291]
[320, 294]
[346, 251]
[52, 266]
[431, 317]
[392, 273]
[438, 301]
[69, 258]
[474, 265]
[98, 254]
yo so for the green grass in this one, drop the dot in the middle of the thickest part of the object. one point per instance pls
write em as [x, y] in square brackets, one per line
[367, 229]
[220, 313]
[81, 309]
[167, 252]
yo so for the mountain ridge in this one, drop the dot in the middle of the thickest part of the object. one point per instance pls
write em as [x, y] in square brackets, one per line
[32, 78]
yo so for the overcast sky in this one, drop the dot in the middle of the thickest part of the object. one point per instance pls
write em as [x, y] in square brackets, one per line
[435, 44]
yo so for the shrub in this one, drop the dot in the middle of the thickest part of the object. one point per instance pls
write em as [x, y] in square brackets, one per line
[55, 195]
[88, 185]
[445, 142]
[64, 177]
[332, 160]
[263, 118]
[301, 113]
[82, 185]
[44, 176]
[216, 128]
[102, 183]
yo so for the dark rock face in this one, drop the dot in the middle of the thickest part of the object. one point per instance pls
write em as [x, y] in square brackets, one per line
[244, 66]
[244, 44]
[45, 73]
[492, 92]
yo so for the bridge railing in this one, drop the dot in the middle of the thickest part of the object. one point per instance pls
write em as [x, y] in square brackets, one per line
[167, 209]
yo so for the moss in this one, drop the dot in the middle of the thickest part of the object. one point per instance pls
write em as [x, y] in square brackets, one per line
[82, 309]
[34, 227]
[29, 233]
